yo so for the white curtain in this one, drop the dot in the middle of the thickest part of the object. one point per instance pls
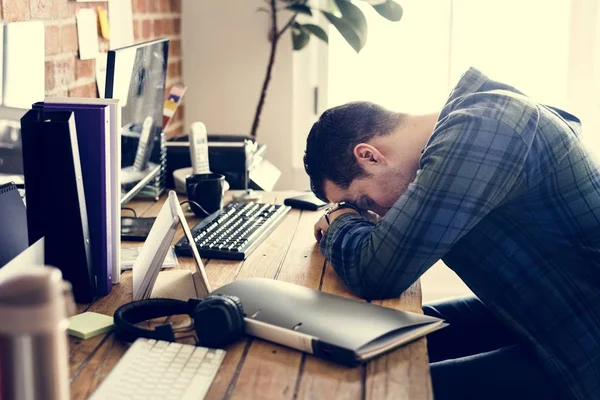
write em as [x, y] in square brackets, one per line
[548, 49]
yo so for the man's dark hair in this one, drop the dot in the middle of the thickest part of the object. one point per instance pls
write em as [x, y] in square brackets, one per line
[330, 144]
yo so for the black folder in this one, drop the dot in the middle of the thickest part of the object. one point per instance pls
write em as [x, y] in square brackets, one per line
[336, 328]
[13, 223]
[56, 208]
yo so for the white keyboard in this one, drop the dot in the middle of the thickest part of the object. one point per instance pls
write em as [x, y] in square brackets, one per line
[152, 369]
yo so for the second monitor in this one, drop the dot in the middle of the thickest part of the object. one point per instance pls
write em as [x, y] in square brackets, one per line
[136, 75]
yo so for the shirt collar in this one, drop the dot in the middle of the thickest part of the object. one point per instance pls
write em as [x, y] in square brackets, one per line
[470, 82]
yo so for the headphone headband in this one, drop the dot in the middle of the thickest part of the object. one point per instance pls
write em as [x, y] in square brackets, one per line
[130, 314]
[217, 319]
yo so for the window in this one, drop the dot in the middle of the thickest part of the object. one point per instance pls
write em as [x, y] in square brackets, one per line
[549, 50]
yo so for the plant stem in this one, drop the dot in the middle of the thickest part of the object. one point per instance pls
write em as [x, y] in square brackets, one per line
[274, 40]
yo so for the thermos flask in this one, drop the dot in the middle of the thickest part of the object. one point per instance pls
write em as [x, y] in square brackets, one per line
[34, 308]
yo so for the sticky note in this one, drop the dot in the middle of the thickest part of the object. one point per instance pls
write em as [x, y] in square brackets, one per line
[89, 324]
[103, 19]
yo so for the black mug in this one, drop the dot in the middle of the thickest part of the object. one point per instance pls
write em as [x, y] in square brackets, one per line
[206, 190]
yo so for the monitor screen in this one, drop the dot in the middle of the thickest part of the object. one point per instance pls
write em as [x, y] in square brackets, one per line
[136, 75]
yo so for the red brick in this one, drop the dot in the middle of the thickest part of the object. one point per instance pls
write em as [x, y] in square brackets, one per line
[163, 5]
[136, 30]
[175, 48]
[174, 69]
[61, 9]
[152, 6]
[15, 10]
[69, 38]
[88, 90]
[49, 75]
[41, 9]
[146, 29]
[177, 26]
[64, 71]
[158, 27]
[175, 5]
[84, 69]
[52, 38]
[169, 26]
[139, 6]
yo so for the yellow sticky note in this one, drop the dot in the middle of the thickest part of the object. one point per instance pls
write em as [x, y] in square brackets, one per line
[89, 324]
[103, 19]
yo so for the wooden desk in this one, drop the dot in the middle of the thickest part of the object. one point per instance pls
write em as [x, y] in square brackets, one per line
[256, 369]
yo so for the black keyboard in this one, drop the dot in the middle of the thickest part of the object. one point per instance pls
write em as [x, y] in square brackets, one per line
[234, 232]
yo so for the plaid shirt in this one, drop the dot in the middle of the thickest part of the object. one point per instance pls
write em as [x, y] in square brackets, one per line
[509, 198]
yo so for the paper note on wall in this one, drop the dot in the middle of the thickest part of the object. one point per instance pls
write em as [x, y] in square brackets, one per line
[23, 64]
[120, 17]
[87, 32]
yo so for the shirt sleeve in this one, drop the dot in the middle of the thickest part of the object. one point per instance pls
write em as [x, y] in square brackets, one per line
[470, 167]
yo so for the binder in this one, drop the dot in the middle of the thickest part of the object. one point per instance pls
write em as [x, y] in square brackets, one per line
[332, 327]
[93, 128]
[114, 135]
[13, 223]
[56, 207]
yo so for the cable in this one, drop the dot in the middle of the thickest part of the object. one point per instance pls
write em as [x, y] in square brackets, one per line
[196, 204]
[130, 209]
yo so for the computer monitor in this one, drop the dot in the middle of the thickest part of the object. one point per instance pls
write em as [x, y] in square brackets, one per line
[136, 75]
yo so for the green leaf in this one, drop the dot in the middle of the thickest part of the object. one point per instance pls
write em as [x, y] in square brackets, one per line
[317, 31]
[346, 29]
[355, 16]
[300, 9]
[389, 10]
[300, 36]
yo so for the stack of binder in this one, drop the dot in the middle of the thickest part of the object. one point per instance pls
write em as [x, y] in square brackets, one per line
[92, 126]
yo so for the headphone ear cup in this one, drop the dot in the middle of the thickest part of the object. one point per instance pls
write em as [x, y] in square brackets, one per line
[219, 321]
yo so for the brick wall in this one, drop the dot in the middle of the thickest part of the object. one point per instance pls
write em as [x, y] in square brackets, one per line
[66, 74]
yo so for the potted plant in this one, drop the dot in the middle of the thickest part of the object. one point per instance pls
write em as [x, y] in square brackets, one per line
[344, 15]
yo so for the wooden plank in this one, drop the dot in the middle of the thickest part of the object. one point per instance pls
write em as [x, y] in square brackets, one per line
[271, 371]
[403, 373]
[324, 379]
[263, 262]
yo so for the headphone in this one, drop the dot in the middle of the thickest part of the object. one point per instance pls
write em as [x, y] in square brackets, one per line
[217, 319]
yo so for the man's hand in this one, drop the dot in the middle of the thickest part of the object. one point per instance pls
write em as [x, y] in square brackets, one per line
[321, 226]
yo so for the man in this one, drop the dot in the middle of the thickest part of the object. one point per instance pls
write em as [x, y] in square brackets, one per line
[499, 187]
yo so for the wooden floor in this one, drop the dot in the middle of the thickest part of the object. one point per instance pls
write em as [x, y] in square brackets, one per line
[256, 369]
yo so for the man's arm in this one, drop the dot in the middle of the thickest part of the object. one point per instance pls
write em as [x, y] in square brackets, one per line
[469, 168]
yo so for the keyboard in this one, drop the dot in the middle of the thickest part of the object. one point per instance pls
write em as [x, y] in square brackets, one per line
[156, 369]
[234, 232]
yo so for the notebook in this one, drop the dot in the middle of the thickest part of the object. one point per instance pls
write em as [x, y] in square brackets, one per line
[115, 167]
[56, 208]
[93, 130]
[332, 327]
[13, 223]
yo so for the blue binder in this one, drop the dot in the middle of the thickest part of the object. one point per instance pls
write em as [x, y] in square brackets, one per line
[92, 137]
[56, 207]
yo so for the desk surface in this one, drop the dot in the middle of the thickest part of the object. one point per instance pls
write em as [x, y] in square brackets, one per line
[256, 369]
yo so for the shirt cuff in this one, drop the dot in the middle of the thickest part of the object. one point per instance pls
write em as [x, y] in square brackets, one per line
[335, 226]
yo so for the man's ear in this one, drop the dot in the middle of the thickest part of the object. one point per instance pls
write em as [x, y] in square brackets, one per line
[367, 155]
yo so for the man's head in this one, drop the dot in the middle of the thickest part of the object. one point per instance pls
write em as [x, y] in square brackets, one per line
[356, 153]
